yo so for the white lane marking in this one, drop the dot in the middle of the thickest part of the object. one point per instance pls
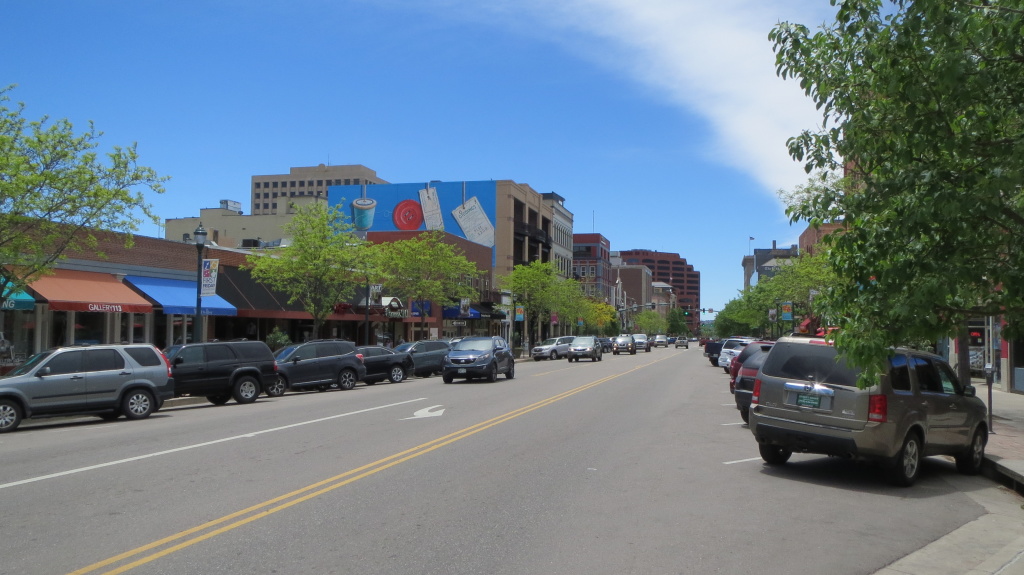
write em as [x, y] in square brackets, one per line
[741, 461]
[425, 412]
[198, 445]
[737, 423]
[728, 404]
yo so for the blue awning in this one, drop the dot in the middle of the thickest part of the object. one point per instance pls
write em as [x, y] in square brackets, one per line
[455, 313]
[19, 300]
[178, 297]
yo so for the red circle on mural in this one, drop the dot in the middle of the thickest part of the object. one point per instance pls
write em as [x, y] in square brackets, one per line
[408, 215]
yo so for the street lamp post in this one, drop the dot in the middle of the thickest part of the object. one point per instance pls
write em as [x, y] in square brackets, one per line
[200, 237]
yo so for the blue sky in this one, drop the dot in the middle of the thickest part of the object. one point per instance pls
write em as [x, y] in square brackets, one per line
[661, 122]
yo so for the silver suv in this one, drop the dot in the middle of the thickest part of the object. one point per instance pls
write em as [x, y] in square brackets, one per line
[552, 348]
[105, 380]
[806, 399]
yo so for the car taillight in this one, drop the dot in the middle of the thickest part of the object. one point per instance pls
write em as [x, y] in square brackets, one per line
[757, 391]
[360, 356]
[167, 363]
[878, 408]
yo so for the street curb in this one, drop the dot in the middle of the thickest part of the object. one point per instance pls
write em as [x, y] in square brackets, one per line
[1008, 472]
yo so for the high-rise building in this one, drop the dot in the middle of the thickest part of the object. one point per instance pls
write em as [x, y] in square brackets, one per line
[672, 269]
[272, 193]
[592, 266]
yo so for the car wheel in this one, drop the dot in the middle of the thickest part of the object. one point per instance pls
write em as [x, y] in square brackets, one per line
[773, 454]
[632, 352]
[138, 404]
[246, 389]
[346, 379]
[615, 353]
[276, 388]
[511, 373]
[397, 374]
[218, 399]
[726, 369]
[554, 355]
[10, 415]
[907, 463]
[745, 414]
[492, 374]
[969, 462]
[600, 357]
[447, 378]
[593, 358]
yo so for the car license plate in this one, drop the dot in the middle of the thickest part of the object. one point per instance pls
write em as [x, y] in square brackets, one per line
[462, 370]
[808, 400]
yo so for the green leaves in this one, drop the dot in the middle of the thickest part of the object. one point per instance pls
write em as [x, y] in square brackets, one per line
[56, 193]
[922, 105]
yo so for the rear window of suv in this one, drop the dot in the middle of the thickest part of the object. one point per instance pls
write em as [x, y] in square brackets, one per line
[809, 362]
[145, 356]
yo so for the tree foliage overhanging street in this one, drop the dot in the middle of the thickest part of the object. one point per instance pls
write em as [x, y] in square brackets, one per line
[922, 105]
[56, 193]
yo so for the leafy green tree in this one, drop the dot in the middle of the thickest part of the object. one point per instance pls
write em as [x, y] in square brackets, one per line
[56, 192]
[319, 267]
[600, 318]
[534, 287]
[922, 104]
[649, 322]
[426, 268]
[676, 321]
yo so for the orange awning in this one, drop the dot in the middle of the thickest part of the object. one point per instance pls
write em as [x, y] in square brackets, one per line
[70, 290]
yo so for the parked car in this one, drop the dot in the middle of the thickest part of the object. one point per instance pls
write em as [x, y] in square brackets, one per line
[624, 344]
[552, 348]
[682, 342]
[479, 357]
[806, 399]
[743, 372]
[730, 349]
[427, 355]
[606, 344]
[320, 364]
[712, 350]
[585, 346]
[382, 363]
[642, 342]
[224, 370]
[132, 380]
[660, 341]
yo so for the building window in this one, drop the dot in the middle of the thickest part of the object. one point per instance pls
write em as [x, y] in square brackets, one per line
[273, 206]
[274, 195]
[256, 186]
[337, 182]
[292, 194]
[292, 185]
[348, 181]
[266, 206]
[319, 182]
[273, 185]
[355, 181]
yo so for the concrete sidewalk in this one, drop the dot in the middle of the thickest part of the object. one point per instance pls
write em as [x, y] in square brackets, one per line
[1004, 453]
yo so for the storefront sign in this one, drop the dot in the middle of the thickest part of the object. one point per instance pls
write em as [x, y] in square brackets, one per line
[458, 322]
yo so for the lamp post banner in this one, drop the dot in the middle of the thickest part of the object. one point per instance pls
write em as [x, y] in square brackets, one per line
[210, 277]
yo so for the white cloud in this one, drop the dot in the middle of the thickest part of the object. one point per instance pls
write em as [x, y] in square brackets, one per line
[713, 59]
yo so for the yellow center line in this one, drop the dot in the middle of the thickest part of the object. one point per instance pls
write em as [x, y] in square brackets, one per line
[282, 502]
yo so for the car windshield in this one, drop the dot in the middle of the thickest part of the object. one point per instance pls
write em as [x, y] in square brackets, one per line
[583, 340]
[285, 352]
[30, 364]
[549, 341]
[622, 339]
[172, 351]
[404, 347]
[473, 345]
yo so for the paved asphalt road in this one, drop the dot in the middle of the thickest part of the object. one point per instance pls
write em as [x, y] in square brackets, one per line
[633, 465]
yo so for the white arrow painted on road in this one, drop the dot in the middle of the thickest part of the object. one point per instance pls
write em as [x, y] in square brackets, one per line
[425, 412]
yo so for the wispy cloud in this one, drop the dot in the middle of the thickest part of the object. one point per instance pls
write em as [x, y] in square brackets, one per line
[711, 59]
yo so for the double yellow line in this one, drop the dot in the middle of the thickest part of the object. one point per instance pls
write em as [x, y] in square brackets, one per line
[189, 537]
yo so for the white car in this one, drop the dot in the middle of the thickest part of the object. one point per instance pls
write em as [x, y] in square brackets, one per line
[730, 349]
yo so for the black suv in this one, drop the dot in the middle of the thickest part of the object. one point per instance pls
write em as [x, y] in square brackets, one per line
[320, 364]
[223, 370]
[132, 380]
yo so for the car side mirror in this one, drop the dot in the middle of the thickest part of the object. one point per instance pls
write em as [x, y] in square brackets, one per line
[296, 359]
[969, 391]
[43, 371]
[179, 360]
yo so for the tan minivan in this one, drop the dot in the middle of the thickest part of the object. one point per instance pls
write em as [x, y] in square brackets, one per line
[806, 400]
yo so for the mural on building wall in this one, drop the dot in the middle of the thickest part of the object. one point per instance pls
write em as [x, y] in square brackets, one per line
[464, 209]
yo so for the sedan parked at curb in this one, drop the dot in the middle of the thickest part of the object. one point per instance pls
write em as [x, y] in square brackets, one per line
[383, 363]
